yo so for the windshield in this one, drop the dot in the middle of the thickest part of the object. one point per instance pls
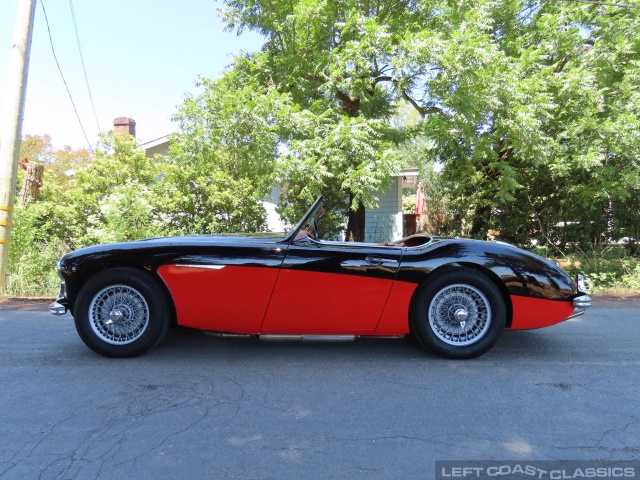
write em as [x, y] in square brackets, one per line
[304, 226]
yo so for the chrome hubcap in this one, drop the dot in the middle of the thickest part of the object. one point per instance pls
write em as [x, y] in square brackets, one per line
[115, 316]
[119, 314]
[459, 315]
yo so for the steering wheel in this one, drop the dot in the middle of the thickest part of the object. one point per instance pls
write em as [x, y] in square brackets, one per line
[314, 229]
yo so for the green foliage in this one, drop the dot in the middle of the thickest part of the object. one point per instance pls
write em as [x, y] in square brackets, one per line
[222, 162]
[608, 273]
[79, 206]
[32, 254]
[559, 146]
[125, 213]
[120, 195]
[192, 199]
[106, 199]
[234, 125]
[531, 104]
[409, 203]
[607, 268]
[332, 60]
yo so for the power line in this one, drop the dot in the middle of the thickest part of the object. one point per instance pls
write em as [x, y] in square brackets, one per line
[86, 79]
[63, 80]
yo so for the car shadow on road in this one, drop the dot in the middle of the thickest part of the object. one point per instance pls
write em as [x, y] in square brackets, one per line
[194, 344]
[198, 344]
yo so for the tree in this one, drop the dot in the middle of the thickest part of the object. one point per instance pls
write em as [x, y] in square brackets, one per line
[30, 191]
[37, 148]
[222, 162]
[65, 163]
[79, 193]
[333, 59]
[536, 100]
[54, 210]
[507, 89]
[41, 230]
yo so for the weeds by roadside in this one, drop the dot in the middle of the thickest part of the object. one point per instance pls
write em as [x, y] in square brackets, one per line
[609, 269]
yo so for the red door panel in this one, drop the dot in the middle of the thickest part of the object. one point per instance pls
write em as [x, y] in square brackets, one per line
[224, 298]
[327, 303]
[395, 317]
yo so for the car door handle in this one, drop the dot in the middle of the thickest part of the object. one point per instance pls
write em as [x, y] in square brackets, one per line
[380, 260]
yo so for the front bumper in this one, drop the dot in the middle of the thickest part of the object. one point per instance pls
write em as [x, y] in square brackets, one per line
[582, 301]
[61, 305]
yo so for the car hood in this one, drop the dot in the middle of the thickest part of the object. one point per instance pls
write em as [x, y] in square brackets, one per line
[175, 242]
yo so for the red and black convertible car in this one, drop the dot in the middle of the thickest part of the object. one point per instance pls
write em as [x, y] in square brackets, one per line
[454, 295]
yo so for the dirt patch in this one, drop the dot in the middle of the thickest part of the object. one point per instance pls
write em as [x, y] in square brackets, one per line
[615, 297]
[26, 303]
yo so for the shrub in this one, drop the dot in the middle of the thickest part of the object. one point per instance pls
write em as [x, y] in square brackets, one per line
[32, 256]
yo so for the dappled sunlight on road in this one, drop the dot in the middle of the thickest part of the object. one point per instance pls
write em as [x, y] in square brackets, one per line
[519, 446]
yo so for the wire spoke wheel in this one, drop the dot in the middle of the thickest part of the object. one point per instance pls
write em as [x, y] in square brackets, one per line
[459, 314]
[122, 312]
[119, 314]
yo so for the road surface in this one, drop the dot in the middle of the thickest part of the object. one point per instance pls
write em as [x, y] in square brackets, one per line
[204, 407]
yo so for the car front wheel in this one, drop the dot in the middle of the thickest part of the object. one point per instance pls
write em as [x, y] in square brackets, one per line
[122, 312]
[459, 313]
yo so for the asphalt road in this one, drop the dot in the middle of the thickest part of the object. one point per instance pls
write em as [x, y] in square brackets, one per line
[203, 407]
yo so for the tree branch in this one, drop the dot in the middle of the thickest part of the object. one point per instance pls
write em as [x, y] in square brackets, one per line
[318, 78]
[595, 2]
[280, 39]
[383, 78]
[424, 111]
[350, 106]
[561, 65]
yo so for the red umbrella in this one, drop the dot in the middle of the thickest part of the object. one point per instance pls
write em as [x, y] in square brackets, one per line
[421, 202]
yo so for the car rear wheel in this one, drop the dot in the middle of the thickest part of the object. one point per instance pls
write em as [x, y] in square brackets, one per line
[459, 313]
[122, 312]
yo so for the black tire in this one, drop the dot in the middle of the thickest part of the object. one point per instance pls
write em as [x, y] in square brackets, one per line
[458, 313]
[122, 312]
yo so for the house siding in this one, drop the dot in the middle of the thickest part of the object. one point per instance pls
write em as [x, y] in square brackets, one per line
[274, 222]
[161, 149]
[384, 223]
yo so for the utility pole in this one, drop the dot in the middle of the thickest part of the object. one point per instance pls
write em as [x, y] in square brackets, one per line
[11, 126]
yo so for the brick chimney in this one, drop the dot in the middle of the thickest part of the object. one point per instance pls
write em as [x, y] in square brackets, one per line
[125, 126]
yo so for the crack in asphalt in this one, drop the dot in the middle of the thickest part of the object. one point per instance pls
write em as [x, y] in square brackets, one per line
[119, 422]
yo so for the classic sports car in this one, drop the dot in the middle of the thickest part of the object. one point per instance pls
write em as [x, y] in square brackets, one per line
[454, 295]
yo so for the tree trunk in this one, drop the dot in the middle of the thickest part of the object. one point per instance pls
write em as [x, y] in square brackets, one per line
[479, 223]
[424, 224]
[463, 226]
[30, 191]
[608, 211]
[355, 223]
